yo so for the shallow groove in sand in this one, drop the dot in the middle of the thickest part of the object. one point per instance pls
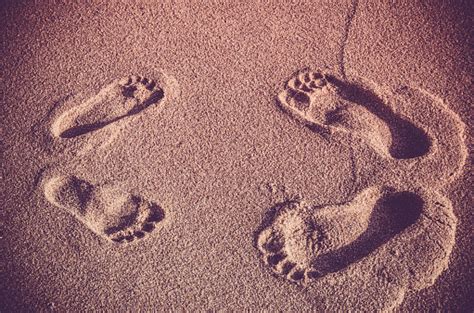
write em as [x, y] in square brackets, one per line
[345, 37]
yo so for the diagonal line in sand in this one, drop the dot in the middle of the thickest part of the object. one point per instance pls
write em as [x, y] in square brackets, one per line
[345, 36]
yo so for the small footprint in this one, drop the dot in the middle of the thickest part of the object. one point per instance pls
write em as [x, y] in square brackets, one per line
[109, 212]
[304, 242]
[117, 100]
[326, 104]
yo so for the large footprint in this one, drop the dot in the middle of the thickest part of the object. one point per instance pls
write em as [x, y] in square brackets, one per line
[117, 100]
[304, 243]
[109, 212]
[326, 104]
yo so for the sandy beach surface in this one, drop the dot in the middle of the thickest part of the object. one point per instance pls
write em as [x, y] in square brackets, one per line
[305, 156]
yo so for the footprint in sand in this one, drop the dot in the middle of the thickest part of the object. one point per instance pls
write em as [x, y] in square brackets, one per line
[303, 242]
[118, 100]
[109, 212]
[326, 104]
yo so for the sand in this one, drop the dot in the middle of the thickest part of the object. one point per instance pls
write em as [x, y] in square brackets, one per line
[259, 156]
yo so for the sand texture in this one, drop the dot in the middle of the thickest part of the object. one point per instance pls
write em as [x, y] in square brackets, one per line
[311, 156]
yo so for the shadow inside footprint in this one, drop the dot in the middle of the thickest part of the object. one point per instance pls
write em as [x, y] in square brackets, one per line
[408, 141]
[391, 215]
[84, 129]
